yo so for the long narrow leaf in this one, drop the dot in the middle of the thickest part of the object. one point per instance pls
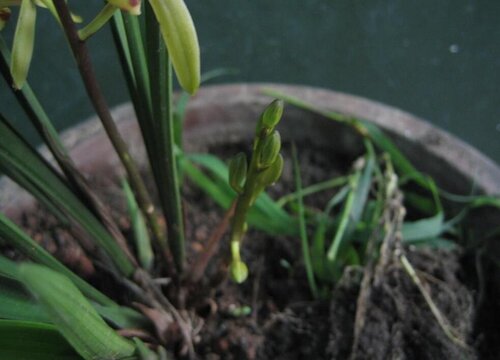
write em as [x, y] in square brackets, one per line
[141, 235]
[73, 315]
[22, 340]
[334, 248]
[423, 229]
[23, 243]
[17, 304]
[318, 251]
[302, 226]
[24, 165]
[120, 316]
[166, 172]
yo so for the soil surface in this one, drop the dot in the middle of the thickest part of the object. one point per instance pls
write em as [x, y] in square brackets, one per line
[273, 316]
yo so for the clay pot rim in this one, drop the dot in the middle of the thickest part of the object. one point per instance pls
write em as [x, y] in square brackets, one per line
[480, 170]
[469, 162]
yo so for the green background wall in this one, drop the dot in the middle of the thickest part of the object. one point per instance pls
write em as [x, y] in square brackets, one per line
[437, 59]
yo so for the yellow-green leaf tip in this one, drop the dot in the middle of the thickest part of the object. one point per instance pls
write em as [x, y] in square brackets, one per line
[23, 43]
[179, 34]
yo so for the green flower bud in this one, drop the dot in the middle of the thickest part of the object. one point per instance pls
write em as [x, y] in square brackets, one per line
[179, 34]
[132, 6]
[270, 175]
[238, 172]
[23, 44]
[238, 271]
[4, 17]
[271, 116]
[269, 150]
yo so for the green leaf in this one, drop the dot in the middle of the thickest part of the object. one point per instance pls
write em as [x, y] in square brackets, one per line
[23, 43]
[354, 207]
[180, 37]
[98, 22]
[334, 248]
[302, 225]
[423, 229]
[473, 200]
[73, 315]
[121, 316]
[22, 340]
[362, 189]
[11, 233]
[313, 189]
[143, 351]
[166, 169]
[17, 304]
[141, 235]
[318, 251]
[24, 165]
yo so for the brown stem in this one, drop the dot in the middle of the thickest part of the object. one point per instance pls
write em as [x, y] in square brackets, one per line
[82, 57]
[201, 262]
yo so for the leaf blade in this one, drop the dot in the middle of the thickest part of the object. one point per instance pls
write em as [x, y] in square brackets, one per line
[73, 315]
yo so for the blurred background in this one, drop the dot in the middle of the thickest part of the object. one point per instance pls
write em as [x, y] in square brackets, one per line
[439, 60]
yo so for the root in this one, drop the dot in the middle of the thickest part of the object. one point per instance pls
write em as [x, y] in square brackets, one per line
[449, 331]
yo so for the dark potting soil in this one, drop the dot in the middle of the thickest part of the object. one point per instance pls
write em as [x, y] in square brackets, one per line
[272, 315]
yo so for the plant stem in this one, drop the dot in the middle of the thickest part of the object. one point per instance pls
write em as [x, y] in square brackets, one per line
[82, 57]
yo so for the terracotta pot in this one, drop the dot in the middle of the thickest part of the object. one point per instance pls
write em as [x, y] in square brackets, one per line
[227, 113]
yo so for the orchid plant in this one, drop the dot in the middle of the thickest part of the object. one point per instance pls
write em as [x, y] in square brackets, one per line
[73, 319]
[152, 47]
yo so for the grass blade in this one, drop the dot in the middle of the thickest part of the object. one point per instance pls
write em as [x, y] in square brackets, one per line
[360, 183]
[318, 247]
[302, 226]
[313, 189]
[73, 315]
[161, 80]
[121, 317]
[344, 219]
[141, 235]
